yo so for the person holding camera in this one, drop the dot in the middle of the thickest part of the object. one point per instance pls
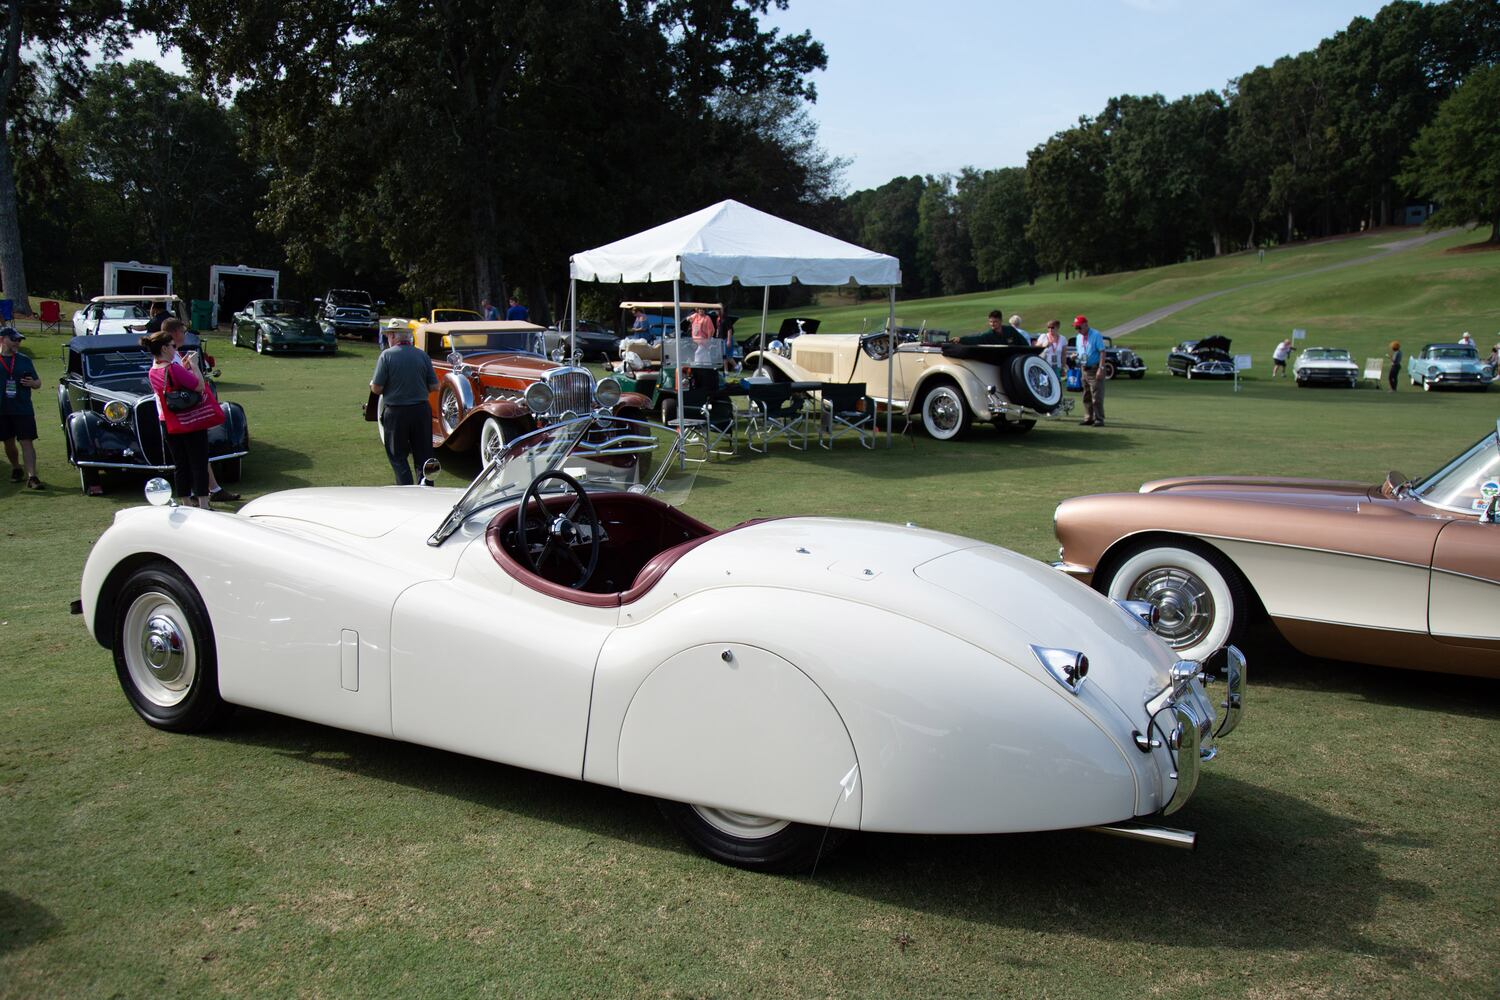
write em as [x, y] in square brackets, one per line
[17, 419]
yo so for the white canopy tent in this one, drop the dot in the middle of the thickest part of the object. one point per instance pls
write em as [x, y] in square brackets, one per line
[731, 242]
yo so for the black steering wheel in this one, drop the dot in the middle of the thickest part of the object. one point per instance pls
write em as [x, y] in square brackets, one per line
[563, 533]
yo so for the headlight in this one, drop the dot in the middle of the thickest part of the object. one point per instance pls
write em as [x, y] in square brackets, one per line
[539, 397]
[1487, 372]
[116, 412]
[607, 393]
[1432, 370]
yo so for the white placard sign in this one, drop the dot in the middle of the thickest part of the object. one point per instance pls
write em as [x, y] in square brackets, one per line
[1242, 363]
[1299, 334]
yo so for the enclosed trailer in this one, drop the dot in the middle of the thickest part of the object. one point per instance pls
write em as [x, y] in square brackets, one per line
[134, 278]
[233, 286]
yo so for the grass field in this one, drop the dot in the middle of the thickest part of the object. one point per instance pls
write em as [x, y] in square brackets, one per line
[1349, 843]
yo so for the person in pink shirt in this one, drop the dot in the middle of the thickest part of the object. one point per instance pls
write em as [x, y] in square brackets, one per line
[187, 431]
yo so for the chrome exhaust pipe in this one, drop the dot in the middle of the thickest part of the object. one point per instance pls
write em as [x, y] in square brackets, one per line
[1184, 839]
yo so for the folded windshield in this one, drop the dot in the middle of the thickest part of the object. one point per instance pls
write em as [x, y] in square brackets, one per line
[602, 453]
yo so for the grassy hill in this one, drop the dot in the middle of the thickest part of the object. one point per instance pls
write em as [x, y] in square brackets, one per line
[1414, 296]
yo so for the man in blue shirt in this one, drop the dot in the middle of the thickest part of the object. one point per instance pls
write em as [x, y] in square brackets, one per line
[517, 311]
[17, 420]
[1090, 352]
[405, 377]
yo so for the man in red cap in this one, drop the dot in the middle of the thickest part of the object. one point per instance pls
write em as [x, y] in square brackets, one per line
[1090, 353]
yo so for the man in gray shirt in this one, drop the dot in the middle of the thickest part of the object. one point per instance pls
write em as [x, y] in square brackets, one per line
[404, 377]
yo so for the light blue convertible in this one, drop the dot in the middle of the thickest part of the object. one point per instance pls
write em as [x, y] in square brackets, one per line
[1438, 366]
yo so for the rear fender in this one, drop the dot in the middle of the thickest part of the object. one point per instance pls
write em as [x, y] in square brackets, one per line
[968, 383]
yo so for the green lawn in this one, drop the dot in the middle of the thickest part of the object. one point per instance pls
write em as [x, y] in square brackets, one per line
[1349, 843]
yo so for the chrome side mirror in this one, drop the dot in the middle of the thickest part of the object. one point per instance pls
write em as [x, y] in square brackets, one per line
[430, 470]
[159, 493]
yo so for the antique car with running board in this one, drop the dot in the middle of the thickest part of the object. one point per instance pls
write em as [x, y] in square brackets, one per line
[775, 685]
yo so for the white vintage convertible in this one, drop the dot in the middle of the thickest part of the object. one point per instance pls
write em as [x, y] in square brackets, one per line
[775, 684]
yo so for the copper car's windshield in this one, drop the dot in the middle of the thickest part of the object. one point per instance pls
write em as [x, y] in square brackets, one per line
[1465, 484]
[517, 341]
[601, 452]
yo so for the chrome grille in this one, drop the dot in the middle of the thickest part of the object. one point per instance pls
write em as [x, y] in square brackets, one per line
[572, 389]
[148, 432]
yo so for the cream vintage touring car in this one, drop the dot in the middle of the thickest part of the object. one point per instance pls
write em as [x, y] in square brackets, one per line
[947, 385]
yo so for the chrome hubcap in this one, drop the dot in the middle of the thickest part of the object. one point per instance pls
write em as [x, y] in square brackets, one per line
[490, 443]
[158, 647]
[943, 409]
[1184, 601]
[746, 826]
[450, 411]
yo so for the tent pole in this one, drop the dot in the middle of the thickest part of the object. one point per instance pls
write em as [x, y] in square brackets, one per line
[890, 371]
[765, 309]
[573, 319]
[677, 357]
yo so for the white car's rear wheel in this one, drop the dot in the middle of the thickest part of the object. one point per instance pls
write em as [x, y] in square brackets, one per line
[760, 843]
[1199, 595]
[164, 651]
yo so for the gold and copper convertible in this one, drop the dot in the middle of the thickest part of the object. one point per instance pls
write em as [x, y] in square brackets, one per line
[1405, 573]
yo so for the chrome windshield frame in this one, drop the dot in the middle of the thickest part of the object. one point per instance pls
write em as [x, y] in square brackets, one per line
[1428, 482]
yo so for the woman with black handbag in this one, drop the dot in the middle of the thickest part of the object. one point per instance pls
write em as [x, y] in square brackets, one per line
[188, 410]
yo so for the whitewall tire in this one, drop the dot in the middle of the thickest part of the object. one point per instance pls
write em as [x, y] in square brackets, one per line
[945, 412]
[1200, 596]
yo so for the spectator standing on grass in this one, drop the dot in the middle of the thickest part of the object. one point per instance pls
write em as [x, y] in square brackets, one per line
[1015, 322]
[404, 377]
[1395, 363]
[517, 311]
[491, 313]
[194, 361]
[1090, 346]
[186, 430]
[1054, 346]
[17, 418]
[1466, 340]
[1278, 358]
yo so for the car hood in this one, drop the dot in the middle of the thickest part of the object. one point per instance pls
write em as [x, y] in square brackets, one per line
[506, 363]
[359, 511]
[1332, 494]
[291, 324]
[1306, 362]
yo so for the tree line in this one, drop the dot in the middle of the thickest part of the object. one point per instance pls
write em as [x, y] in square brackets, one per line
[1395, 108]
[448, 151]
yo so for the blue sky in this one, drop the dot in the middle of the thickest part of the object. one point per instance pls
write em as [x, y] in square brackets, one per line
[931, 86]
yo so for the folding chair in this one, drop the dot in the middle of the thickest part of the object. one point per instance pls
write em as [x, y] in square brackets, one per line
[846, 410]
[706, 422]
[776, 411]
[49, 316]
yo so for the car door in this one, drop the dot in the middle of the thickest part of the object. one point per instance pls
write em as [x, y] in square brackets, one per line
[485, 666]
[1464, 604]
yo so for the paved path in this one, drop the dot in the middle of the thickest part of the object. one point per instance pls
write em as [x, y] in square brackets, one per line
[1386, 249]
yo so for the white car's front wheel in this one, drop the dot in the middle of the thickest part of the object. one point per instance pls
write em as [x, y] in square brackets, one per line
[1199, 595]
[164, 651]
[759, 843]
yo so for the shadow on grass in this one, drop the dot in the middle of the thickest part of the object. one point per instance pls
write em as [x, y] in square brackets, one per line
[1272, 872]
[23, 923]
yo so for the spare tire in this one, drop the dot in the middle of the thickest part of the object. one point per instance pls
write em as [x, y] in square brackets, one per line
[1033, 383]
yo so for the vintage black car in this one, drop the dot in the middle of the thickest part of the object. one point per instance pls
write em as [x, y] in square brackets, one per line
[1115, 360]
[279, 325]
[1206, 358]
[109, 416]
[595, 340]
[348, 312]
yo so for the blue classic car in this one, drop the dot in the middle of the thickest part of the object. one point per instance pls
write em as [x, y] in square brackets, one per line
[109, 416]
[1438, 366]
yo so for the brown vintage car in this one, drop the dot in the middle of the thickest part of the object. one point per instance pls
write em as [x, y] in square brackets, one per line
[1404, 574]
[494, 384]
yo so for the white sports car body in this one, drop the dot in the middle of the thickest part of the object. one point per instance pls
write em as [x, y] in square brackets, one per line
[774, 683]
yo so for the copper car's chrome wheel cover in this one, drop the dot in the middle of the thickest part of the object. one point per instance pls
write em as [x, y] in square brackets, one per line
[746, 826]
[159, 649]
[1184, 601]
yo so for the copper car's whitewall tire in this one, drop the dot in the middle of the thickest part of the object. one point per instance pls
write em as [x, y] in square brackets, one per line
[1200, 597]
